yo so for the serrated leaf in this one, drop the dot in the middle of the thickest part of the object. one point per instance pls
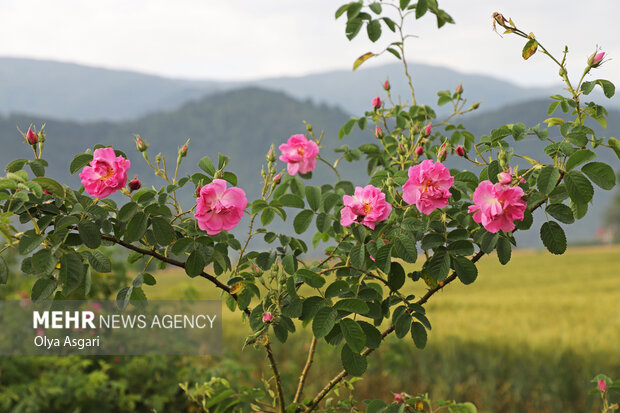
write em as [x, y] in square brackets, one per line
[79, 161]
[547, 179]
[601, 174]
[100, 262]
[419, 335]
[163, 231]
[561, 212]
[324, 320]
[353, 334]
[302, 221]
[553, 237]
[352, 305]
[42, 289]
[465, 270]
[504, 250]
[579, 189]
[374, 30]
[136, 227]
[354, 364]
[313, 195]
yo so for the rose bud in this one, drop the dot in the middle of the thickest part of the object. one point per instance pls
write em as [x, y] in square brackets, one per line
[419, 150]
[183, 151]
[376, 103]
[459, 89]
[277, 178]
[460, 151]
[602, 386]
[267, 317]
[596, 59]
[197, 193]
[135, 184]
[386, 85]
[398, 398]
[31, 137]
[428, 129]
[441, 155]
[504, 178]
[271, 156]
[140, 144]
[378, 132]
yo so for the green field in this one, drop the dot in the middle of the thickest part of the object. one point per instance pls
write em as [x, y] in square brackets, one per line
[525, 337]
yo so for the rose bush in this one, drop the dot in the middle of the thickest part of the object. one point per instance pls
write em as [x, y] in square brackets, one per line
[412, 209]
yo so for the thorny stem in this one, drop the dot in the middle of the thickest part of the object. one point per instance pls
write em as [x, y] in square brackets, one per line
[276, 373]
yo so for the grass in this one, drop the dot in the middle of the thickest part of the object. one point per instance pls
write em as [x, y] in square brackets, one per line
[525, 337]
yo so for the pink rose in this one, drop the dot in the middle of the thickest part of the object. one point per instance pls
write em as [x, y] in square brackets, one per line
[399, 398]
[267, 318]
[376, 102]
[300, 154]
[459, 89]
[497, 206]
[105, 174]
[386, 85]
[135, 184]
[419, 150]
[367, 206]
[460, 151]
[596, 59]
[378, 132]
[602, 386]
[428, 186]
[218, 208]
[428, 129]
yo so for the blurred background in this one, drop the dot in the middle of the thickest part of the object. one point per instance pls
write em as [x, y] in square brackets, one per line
[237, 76]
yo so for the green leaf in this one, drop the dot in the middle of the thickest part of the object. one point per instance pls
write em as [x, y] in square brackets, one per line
[465, 270]
[4, 271]
[123, 297]
[291, 200]
[431, 241]
[302, 221]
[396, 277]
[374, 30]
[579, 157]
[16, 165]
[439, 264]
[100, 262]
[43, 261]
[461, 247]
[375, 7]
[561, 212]
[405, 248]
[148, 279]
[547, 179]
[42, 289]
[195, 264]
[323, 322]
[311, 278]
[614, 143]
[418, 334]
[313, 195]
[358, 256]
[601, 174]
[79, 161]
[421, 8]
[29, 242]
[352, 305]
[553, 237]
[354, 364]
[71, 272]
[383, 260]
[136, 227]
[89, 234]
[127, 212]
[206, 165]
[360, 60]
[579, 189]
[163, 231]
[353, 334]
[51, 186]
[504, 250]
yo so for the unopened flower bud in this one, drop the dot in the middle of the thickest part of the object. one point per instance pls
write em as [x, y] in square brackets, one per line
[502, 157]
[386, 85]
[140, 144]
[183, 151]
[596, 59]
[277, 179]
[399, 398]
[460, 151]
[135, 184]
[308, 127]
[419, 150]
[271, 156]
[390, 181]
[504, 178]
[459, 89]
[376, 103]
[220, 174]
[602, 386]
[31, 137]
[442, 154]
[428, 129]
[476, 105]
[267, 317]
[197, 193]
[378, 132]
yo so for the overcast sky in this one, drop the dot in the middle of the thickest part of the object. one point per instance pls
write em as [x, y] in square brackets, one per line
[248, 39]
